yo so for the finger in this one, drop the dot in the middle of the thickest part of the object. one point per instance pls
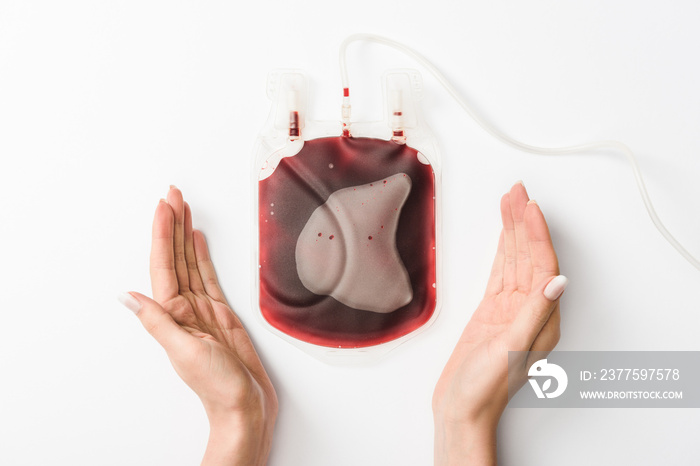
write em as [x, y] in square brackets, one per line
[178, 205]
[535, 313]
[518, 202]
[206, 268]
[162, 264]
[193, 272]
[495, 284]
[157, 322]
[510, 265]
[542, 255]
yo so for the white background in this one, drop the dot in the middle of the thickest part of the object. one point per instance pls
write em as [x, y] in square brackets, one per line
[104, 104]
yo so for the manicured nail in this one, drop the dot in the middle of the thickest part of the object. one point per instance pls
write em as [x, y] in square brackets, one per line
[130, 302]
[532, 201]
[555, 287]
[521, 183]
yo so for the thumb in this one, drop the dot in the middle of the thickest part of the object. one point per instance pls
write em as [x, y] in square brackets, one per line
[155, 320]
[535, 312]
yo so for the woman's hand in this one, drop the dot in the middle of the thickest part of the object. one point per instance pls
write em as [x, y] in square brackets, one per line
[206, 343]
[519, 312]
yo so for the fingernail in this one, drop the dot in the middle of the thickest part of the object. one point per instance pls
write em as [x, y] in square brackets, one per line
[532, 201]
[130, 302]
[521, 183]
[172, 186]
[555, 287]
[163, 201]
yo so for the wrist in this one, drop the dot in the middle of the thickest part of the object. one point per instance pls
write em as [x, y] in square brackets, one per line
[238, 438]
[459, 443]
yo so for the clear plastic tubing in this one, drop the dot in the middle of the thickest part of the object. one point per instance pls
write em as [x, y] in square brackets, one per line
[576, 149]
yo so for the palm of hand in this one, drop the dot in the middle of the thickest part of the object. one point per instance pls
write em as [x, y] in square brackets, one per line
[210, 364]
[495, 314]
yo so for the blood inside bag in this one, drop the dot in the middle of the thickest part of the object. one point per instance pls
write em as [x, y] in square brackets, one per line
[347, 242]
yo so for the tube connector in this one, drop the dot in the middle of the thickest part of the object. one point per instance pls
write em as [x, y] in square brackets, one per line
[396, 118]
[345, 112]
[287, 89]
[294, 106]
[401, 91]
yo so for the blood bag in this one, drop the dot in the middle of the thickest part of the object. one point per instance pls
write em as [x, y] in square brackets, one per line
[347, 216]
[347, 223]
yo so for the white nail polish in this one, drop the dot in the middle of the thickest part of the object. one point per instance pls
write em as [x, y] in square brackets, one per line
[555, 287]
[130, 302]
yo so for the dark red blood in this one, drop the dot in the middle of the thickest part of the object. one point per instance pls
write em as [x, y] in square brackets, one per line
[320, 234]
[284, 302]
[369, 238]
[331, 237]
